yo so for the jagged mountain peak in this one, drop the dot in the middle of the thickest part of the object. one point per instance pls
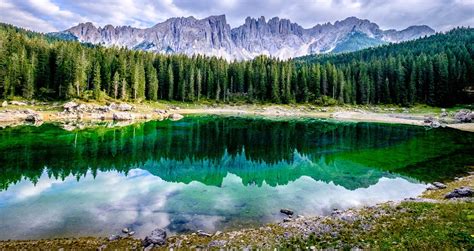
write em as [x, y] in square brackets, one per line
[213, 36]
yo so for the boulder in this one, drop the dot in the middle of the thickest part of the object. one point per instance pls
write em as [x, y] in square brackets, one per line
[286, 211]
[175, 116]
[429, 120]
[82, 108]
[444, 114]
[103, 108]
[4, 104]
[122, 116]
[439, 185]
[18, 103]
[113, 106]
[114, 237]
[464, 116]
[435, 124]
[157, 237]
[33, 118]
[124, 107]
[69, 106]
[202, 233]
[461, 192]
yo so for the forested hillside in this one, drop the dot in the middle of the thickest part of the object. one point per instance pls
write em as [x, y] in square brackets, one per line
[434, 70]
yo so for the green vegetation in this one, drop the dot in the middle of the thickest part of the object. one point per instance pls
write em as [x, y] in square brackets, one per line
[434, 70]
[411, 225]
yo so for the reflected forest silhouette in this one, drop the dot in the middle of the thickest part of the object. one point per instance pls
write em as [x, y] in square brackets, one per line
[207, 148]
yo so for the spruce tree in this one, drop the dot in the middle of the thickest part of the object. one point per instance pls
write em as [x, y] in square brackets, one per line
[96, 81]
[116, 83]
[170, 82]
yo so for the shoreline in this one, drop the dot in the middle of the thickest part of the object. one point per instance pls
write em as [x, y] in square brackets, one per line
[365, 227]
[17, 114]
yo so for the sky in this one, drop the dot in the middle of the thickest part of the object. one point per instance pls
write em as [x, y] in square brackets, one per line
[55, 15]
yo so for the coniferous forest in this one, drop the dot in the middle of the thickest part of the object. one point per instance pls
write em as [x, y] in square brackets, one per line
[435, 70]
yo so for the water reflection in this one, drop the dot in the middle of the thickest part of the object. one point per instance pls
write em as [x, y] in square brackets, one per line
[143, 201]
[210, 172]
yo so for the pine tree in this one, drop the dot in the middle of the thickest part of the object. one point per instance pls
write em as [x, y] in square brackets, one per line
[275, 85]
[199, 84]
[116, 83]
[29, 88]
[191, 85]
[96, 81]
[341, 86]
[170, 82]
[411, 88]
[124, 94]
[324, 81]
[80, 73]
[151, 83]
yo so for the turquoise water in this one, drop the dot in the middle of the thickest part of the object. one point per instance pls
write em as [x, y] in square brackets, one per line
[210, 173]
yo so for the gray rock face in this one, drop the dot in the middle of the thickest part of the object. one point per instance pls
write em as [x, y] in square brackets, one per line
[157, 237]
[212, 36]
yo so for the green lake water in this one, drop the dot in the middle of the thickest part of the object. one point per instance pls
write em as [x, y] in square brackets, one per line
[211, 173]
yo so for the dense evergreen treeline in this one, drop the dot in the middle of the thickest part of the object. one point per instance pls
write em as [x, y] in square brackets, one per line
[433, 70]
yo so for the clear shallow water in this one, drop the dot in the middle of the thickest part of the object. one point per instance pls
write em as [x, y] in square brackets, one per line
[210, 173]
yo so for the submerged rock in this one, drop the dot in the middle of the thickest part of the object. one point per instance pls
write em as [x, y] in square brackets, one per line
[286, 211]
[125, 230]
[157, 237]
[461, 192]
[175, 116]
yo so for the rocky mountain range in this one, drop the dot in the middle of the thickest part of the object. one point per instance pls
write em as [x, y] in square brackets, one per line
[213, 36]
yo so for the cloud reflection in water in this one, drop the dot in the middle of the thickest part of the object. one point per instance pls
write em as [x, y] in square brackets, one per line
[105, 204]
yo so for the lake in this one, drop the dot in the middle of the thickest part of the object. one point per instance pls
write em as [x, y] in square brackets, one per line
[211, 173]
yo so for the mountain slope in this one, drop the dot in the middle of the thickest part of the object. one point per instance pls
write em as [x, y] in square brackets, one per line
[212, 36]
